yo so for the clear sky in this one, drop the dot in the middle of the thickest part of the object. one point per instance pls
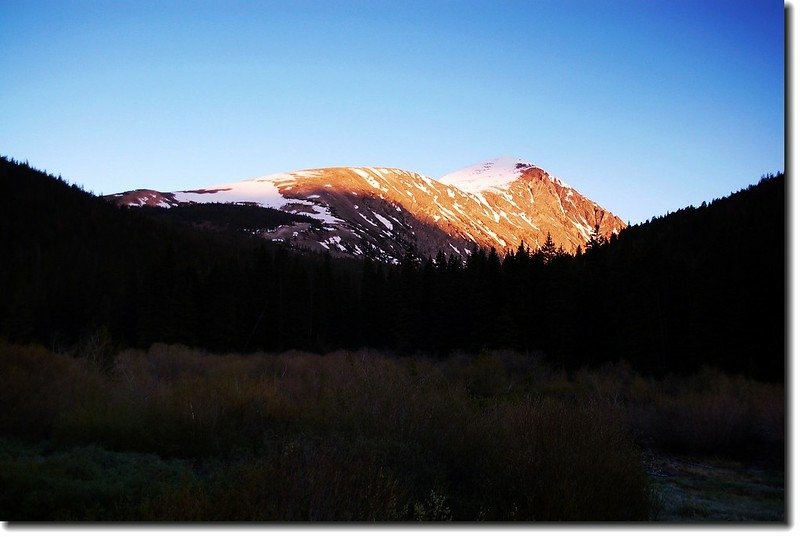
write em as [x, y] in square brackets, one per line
[645, 106]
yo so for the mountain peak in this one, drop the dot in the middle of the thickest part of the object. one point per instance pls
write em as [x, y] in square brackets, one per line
[379, 212]
[493, 174]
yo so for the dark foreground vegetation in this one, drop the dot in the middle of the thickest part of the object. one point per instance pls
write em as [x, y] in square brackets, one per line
[111, 410]
[180, 434]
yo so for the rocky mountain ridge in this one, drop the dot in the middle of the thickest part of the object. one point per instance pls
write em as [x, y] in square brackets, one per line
[382, 212]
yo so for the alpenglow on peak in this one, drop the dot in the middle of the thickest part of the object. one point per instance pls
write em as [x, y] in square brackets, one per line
[496, 174]
[380, 212]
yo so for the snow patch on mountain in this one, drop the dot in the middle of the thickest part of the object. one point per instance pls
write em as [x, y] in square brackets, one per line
[495, 174]
[384, 221]
[261, 191]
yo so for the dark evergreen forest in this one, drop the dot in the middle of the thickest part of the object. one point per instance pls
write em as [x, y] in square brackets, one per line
[698, 287]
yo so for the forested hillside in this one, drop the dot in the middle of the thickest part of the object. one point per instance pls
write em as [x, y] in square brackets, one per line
[701, 286]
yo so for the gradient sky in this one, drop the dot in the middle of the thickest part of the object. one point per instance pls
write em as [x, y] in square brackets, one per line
[645, 106]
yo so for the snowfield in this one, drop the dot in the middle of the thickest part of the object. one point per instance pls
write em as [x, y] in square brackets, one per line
[494, 174]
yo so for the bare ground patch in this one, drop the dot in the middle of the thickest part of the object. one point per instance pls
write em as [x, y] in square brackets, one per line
[714, 490]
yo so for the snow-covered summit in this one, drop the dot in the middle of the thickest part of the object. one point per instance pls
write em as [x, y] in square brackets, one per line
[495, 174]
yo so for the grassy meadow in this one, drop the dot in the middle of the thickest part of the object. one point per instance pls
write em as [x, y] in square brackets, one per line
[179, 434]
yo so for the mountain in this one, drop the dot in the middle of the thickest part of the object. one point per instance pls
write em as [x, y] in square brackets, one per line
[382, 212]
[533, 203]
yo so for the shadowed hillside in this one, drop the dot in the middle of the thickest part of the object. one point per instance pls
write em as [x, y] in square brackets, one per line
[701, 286]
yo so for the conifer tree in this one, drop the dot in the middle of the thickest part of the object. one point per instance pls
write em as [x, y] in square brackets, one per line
[595, 238]
[548, 250]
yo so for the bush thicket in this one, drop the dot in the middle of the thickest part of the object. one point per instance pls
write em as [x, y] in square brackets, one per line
[355, 435]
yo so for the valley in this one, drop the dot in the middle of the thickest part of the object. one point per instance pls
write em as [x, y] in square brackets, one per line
[172, 364]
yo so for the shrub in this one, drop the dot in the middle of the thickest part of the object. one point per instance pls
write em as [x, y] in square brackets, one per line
[36, 386]
[308, 480]
[711, 413]
[81, 483]
[486, 376]
[553, 460]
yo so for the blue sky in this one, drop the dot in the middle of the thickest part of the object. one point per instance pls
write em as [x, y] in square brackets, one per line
[645, 106]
